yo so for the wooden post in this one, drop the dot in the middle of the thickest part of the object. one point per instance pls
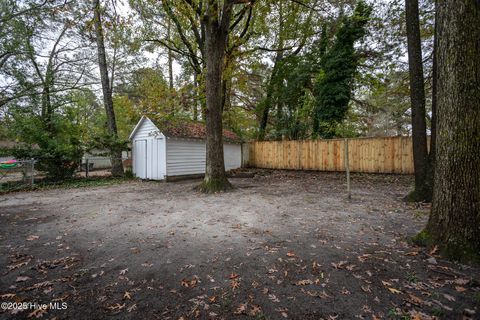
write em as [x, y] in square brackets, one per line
[347, 169]
[33, 172]
[86, 167]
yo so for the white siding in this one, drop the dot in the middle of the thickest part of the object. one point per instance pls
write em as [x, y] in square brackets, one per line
[156, 156]
[187, 156]
[146, 129]
[148, 146]
[233, 156]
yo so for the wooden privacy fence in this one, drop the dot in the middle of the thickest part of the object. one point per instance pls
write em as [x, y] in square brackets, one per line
[380, 155]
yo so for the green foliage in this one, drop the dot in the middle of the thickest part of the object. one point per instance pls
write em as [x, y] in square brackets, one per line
[55, 145]
[289, 91]
[310, 93]
[147, 94]
[333, 88]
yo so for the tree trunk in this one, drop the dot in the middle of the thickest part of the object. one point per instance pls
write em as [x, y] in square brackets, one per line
[417, 98]
[454, 222]
[115, 151]
[195, 102]
[278, 57]
[216, 38]
[170, 58]
[268, 101]
[429, 182]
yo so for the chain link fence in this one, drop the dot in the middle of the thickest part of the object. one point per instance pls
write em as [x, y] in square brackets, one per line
[17, 173]
[29, 173]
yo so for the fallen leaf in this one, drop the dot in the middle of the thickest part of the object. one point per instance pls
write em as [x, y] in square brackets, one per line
[394, 291]
[22, 279]
[291, 254]
[189, 283]
[234, 284]
[304, 282]
[37, 313]
[255, 310]
[460, 289]
[241, 309]
[127, 295]
[415, 300]
[273, 298]
[18, 265]
[116, 307]
[449, 297]
[123, 272]
[366, 288]
[434, 250]
[31, 238]
[339, 265]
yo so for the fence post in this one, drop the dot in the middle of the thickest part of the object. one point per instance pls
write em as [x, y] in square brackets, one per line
[347, 169]
[86, 167]
[32, 173]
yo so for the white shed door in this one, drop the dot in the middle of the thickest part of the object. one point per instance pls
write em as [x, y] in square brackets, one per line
[156, 159]
[140, 149]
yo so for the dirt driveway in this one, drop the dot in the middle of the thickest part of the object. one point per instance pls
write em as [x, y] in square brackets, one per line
[281, 245]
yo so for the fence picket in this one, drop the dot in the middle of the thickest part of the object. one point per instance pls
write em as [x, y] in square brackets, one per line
[382, 155]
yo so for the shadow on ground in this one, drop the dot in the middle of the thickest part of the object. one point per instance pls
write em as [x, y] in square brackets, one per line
[281, 245]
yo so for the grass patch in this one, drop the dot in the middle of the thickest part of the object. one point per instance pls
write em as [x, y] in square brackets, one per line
[72, 183]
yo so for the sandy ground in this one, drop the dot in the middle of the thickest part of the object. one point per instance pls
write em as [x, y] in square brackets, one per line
[282, 245]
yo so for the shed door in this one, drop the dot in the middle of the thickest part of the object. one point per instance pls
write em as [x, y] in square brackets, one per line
[140, 150]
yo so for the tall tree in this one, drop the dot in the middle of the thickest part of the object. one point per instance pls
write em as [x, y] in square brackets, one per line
[334, 86]
[417, 98]
[217, 23]
[292, 27]
[115, 151]
[454, 222]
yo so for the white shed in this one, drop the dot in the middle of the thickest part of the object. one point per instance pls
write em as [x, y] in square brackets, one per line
[161, 151]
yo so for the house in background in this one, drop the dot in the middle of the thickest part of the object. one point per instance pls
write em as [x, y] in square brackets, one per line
[161, 150]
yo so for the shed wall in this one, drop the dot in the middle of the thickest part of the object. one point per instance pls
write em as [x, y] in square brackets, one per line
[188, 156]
[148, 146]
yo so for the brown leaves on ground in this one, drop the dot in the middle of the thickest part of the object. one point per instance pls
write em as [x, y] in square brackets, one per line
[116, 307]
[189, 283]
[244, 309]
[37, 313]
[235, 284]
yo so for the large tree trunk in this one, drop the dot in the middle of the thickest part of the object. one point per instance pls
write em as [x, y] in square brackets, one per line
[115, 151]
[454, 222]
[417, 98]
[429, 182]
[216, 40]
